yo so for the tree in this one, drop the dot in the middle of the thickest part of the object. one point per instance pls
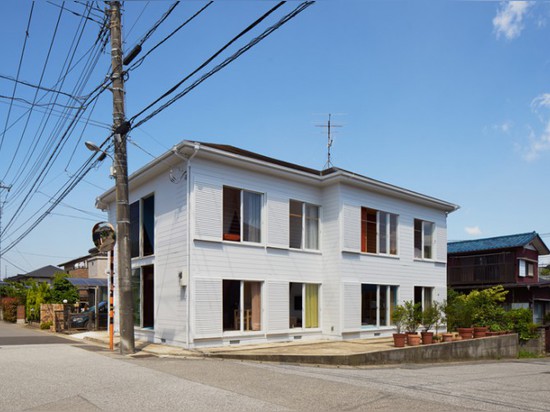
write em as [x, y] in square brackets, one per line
[37, 294]
[62, 289]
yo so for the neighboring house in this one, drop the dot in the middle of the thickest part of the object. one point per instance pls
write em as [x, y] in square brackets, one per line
[90, 266]
[44, 274]
[229, 246]
[511, 261]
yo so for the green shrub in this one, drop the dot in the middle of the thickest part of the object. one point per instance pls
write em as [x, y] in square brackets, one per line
[46, 325]
[413, 316]
[521, 322]
[398, 317]
[37, 294]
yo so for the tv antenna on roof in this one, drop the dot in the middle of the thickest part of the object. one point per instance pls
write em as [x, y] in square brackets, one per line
[329, 127]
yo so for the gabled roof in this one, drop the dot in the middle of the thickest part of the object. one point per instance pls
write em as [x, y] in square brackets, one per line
[499, 242]
[188, 149]
[44, 272]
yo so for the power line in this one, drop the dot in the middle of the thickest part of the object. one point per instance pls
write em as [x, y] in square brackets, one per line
[233, 40]
[46, 89]
[141, 59]
[227, 61]
[18, 72]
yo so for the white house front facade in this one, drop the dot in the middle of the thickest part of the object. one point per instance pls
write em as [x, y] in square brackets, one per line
[231, 247]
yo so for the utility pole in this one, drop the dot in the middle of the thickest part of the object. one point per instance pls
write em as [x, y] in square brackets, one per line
[120, 129]
[7, 187]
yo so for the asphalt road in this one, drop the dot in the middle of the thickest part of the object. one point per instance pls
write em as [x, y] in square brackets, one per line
[76, 376]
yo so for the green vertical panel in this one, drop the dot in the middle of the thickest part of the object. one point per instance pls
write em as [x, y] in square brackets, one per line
[136, 294]
[312, 306]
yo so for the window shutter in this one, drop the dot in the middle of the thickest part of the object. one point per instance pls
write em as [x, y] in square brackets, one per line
[277, 306]
[277, 222]
[351, 228]
[352, 306]
[208, 308]
[208, 211]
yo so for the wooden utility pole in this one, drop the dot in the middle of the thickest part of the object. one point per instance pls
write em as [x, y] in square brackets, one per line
[7, 187]
[121, 128]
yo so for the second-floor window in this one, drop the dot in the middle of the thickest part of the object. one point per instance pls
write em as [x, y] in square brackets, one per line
[423, 239]
[303, 225]
[242, 215]
[378, 231]
[526, 268]
[142, 227]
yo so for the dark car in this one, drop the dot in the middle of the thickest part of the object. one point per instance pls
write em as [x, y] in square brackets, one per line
[86, 319]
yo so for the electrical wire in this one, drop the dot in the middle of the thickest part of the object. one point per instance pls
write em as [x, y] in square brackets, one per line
[227, 61]
[233, 40]
[141, 59]
[18, 72]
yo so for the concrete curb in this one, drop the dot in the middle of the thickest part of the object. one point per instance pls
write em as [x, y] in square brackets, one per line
[497, 347]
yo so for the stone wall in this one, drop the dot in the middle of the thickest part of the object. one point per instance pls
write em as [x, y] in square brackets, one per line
[535, 346]
[53, 312]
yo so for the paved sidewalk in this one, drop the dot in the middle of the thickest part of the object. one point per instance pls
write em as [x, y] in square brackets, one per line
[303, 348]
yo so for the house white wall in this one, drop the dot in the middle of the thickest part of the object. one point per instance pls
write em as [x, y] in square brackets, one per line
[402, 270]
[189, 240]
[270, 262]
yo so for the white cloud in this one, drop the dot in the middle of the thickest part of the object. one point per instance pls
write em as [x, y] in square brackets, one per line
[473, 230]
[509, 19]
[541, 101]
[538, 143]
[504, 127]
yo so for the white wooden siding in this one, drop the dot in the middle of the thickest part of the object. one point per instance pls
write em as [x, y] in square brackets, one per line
[207, 308]
[351, 228]
[208, 211]
[352, 306]
[277, 306]
[277, 222]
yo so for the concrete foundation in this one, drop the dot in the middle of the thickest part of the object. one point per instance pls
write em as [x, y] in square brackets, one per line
[497, 347]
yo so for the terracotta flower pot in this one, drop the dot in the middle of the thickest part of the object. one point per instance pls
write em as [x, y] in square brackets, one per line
[413, 339]
[466, 333]
[399, 340]
[427, 338]
[447, 337]
[480, 331]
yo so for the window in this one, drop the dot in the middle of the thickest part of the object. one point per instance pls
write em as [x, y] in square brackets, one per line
[303, 312]
[303, 225]
[142, 227]
[377, 304]
[423, 239]
[424, 296]
[242, 305]
[378, 232]
[242, 215]
[143, 295]
[526, 268]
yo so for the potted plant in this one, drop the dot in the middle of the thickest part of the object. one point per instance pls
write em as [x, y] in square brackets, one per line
[430, 316]
[398, 319]
[413, 318]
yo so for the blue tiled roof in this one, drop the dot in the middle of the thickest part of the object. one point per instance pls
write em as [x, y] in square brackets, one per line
[500, 242]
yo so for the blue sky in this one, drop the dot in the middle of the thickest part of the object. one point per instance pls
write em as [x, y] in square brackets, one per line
[447, 98]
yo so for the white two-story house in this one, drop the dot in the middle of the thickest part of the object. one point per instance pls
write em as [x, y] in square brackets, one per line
[229, 247]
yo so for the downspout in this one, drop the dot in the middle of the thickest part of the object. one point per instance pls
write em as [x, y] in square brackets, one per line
[188, 176]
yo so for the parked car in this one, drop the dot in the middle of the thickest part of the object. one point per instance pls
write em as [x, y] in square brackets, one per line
[86, 319]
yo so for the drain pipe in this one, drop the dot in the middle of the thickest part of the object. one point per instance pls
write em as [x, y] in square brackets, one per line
[188, 177]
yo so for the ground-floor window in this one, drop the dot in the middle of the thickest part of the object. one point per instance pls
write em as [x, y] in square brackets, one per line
[424, 296]
[377, 303]
[242, 305]
[303, 305]
[143, 294]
